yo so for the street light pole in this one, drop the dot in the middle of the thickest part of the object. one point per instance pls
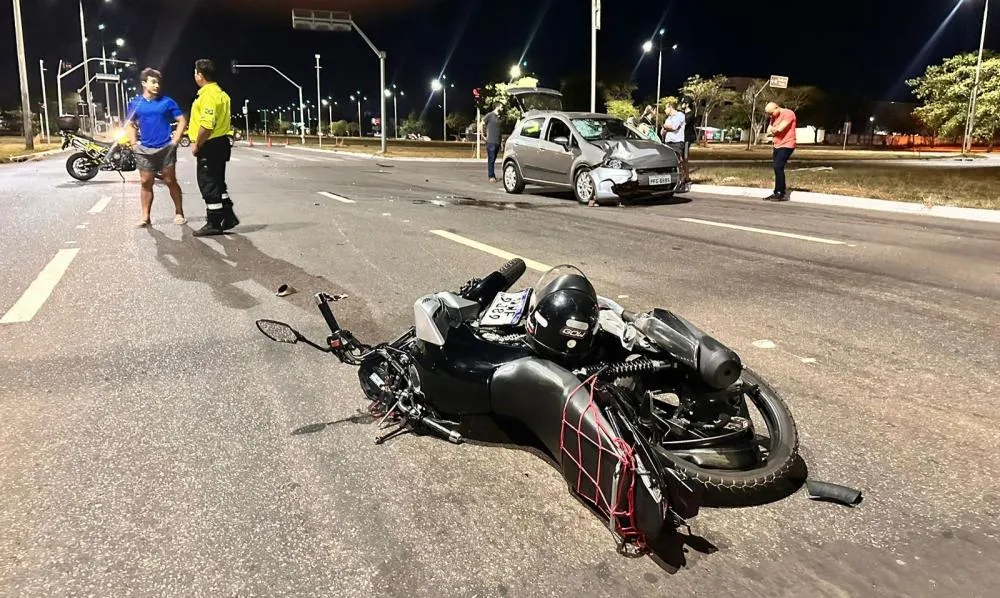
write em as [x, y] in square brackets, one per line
[86, 70]
[29, 141]
[319, 102]
[45, 104]
[970, 120]
[595, 25]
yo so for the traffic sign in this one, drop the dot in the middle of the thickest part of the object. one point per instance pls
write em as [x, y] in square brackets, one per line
[107, 77]
[779, 82]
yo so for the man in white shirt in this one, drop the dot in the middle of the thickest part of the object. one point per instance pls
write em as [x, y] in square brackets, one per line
[673, 136]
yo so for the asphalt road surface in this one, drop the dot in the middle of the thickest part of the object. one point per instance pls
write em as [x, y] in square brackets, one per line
[154, 443]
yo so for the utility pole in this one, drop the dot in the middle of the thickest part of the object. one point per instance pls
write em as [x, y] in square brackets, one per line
[29, 141]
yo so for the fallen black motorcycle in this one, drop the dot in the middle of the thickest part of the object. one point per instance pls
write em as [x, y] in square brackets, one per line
[647, 419]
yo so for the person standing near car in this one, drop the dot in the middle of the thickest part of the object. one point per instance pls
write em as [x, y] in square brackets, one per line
[209, 135]
[782, 127]
[151, 117]
[492, 121]
[674, 128]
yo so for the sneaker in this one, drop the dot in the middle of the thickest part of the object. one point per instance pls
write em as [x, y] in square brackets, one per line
[772, 196]
[777, 197]
[179, 219]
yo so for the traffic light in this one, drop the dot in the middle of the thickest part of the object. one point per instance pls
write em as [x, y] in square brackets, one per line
[475, 93]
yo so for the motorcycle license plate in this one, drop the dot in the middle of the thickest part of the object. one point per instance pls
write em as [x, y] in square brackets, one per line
[664, 179]
[507, 309]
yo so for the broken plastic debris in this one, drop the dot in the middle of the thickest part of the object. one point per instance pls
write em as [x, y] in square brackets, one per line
[825, 491]
[764, 344]
[286, 290]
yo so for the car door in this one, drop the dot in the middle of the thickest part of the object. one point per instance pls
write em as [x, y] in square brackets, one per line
[556, 159]
[526, 147]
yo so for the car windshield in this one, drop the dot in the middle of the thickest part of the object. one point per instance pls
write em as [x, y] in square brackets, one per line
[593, 129]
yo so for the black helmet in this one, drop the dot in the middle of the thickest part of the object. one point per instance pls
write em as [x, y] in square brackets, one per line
[562, 318]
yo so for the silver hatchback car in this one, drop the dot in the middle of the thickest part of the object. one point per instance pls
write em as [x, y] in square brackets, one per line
[599, 156]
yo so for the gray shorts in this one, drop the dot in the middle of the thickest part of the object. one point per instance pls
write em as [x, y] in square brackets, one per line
[155, 159]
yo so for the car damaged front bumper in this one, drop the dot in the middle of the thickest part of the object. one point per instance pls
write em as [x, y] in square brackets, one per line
[613, 183]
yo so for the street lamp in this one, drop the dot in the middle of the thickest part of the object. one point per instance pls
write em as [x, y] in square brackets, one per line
[436, 86]
[515, 72]
[647, 47]
[327, 20]
[971, 118]
[595, 25]
[319, 100]
[358, 99]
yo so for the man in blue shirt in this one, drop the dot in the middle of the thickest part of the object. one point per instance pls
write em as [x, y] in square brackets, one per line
[155, 146]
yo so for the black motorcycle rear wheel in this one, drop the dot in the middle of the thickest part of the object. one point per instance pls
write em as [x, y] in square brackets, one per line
[782, 452]
[81, 167]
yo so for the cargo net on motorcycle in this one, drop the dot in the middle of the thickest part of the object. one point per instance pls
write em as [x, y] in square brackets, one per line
[587, 443]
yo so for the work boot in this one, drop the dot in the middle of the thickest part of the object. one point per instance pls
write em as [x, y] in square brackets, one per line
[213, 224]
[229, 220]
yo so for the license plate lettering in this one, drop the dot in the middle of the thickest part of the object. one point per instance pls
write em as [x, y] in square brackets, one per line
[665, 179]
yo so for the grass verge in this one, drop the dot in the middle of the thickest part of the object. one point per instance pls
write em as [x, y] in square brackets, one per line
[964, 187]
[14, 150]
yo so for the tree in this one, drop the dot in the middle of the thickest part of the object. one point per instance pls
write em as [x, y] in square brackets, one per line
[342, 128]
[414, 124]
[458, 122]
[707, 94]
[623, 109]
[945, 90]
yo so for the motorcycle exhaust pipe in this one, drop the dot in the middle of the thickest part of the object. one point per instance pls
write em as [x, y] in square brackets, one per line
[286, 290]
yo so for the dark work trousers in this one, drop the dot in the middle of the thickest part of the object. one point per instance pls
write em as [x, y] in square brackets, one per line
[491, 157]
[212, 158]
[781, 156]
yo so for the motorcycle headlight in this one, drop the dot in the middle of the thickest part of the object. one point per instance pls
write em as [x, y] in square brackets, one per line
[617, 163]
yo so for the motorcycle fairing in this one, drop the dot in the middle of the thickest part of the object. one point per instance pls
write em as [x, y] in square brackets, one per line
[597, 463]
[435, 315]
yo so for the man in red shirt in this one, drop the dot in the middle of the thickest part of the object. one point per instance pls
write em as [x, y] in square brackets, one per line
[782, 127]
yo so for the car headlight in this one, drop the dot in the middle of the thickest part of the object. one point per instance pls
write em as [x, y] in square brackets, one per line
[616, 163]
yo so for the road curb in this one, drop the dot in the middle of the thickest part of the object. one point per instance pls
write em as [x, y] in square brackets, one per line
[35, 156]
[862, 203]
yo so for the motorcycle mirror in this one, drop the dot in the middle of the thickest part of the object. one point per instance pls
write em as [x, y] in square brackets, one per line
[279, 332]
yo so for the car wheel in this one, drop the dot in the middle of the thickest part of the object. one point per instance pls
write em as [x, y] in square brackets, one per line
[512, 180]
[583, 186]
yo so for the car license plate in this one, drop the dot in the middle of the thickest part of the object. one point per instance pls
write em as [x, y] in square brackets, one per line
[507, 309]
[664, 179]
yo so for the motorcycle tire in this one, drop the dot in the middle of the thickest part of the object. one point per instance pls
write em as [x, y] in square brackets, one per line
[87, 169]
[782, 457]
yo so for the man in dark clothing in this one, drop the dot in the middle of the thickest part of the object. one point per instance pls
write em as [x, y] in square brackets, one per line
[492, 121]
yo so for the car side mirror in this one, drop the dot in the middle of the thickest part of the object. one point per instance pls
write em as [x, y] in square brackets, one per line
[562, 140]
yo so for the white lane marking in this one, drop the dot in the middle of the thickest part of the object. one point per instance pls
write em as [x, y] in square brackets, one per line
[39, 291]
[282, 158]
[306, 159]
[100, 205]
[233, 159]
[538, 266]
[765, 231]
[337, 197]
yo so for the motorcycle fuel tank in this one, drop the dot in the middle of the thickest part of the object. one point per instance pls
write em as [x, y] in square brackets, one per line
[456, 377]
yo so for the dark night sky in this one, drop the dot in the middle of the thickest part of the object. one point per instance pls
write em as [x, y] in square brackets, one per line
[864, 48]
